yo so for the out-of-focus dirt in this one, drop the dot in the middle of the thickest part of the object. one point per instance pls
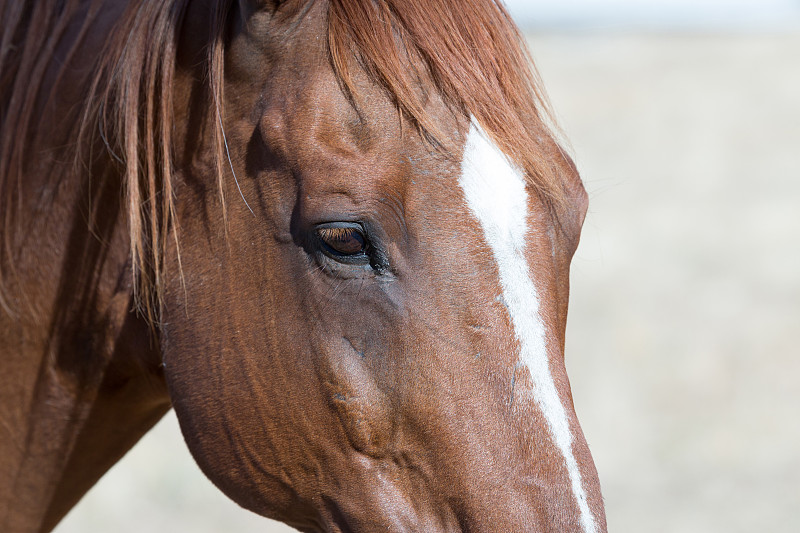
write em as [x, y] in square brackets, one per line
[685, 317]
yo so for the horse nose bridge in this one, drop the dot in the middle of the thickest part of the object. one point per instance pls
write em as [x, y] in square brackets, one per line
[509, 474]
[505, 423]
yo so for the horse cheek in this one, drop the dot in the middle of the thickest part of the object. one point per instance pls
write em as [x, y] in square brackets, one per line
[361, 408]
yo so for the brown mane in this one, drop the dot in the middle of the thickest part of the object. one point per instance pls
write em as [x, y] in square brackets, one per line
[471, 49]
[499, 86]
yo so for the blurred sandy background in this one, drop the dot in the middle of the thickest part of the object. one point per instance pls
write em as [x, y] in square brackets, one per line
[683, 338]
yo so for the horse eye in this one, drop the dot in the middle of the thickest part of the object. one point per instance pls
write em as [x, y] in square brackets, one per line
[342, 241]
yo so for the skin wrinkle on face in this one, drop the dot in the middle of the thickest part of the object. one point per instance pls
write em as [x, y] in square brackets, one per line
[495, 193]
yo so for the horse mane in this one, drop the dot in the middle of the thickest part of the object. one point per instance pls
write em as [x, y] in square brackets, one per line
[476, 58]
[469, 49]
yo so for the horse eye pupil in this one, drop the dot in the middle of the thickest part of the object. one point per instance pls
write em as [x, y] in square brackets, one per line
[343, 241]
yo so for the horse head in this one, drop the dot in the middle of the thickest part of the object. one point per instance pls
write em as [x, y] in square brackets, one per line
[368, 334]
[335, 235]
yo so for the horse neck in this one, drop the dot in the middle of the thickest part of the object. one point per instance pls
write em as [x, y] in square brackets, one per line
[80, 376]
[81, 380]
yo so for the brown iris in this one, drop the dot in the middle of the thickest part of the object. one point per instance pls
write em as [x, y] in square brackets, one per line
[342, 240]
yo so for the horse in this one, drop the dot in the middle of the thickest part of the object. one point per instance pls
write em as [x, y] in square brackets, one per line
[333, 235]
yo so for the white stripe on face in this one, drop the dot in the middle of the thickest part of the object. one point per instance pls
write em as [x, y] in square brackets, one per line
[495, 193]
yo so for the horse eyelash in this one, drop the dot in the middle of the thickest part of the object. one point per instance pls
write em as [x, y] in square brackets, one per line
[337, 233]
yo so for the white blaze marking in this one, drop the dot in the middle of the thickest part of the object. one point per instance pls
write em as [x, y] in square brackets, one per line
[495, 193]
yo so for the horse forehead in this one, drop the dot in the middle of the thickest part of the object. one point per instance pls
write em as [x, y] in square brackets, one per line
[366, 148]
[312, 113]
[311, 117]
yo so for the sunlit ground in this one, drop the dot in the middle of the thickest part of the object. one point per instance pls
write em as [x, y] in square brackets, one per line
[684, 333]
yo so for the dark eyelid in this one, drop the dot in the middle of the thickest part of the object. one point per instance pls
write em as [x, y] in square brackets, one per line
[334, 225]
